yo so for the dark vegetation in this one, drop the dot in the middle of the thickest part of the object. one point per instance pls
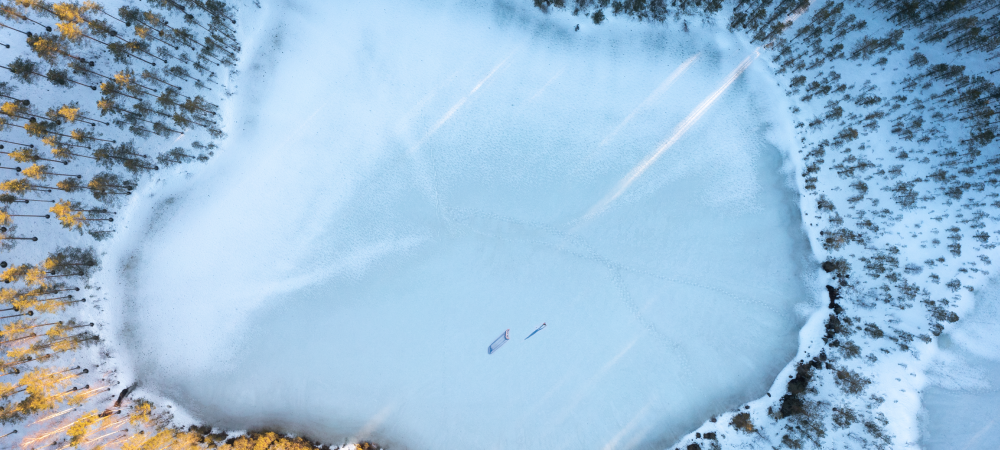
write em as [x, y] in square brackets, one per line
[120, 83]
[126, 77]
[873, 155]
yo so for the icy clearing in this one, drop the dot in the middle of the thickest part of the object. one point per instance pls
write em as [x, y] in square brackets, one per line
[403, 183]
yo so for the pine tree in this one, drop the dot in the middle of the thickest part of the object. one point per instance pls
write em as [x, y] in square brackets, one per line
[23, 70]
[49, 47]
[68, 112]
[19, 186]
[69, 185]
[67, 217]
[106, 185]
[14, 273]
[125, 79]
[37, 172]
[72, 259]
[59, 77]
[71, 216]
[13, 109]
[918, 59]
[174, 156]
[123, 154]
[12, 13]
[80, 427]
[5, 217]
[42, 386]
[8, 240]
[8, 199]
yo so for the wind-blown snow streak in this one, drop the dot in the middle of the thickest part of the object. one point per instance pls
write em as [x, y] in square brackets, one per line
[547, 84]
[422, 168]
[629, 430]
[652, 96]
[678, 133]
[376, 422]
[458, 105]
[586, 388]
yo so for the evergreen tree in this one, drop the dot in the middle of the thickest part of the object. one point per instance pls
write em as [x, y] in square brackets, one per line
[23, 70]
[8, 240]
[19, 186]
[918, 59]
[42, 386]
[13, 109]
[49, 47]
[13, 274]
[8, 199]
[72, 259]
[106, 185]
[38, 172]
[80, 428]
[24, 155]
[68, 112]
[68, 217]
[177, 156]
[126, 80]
[59, 77]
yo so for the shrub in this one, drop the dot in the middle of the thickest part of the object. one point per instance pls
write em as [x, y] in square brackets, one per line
[843, 417]
[742, 422]
[851, 382]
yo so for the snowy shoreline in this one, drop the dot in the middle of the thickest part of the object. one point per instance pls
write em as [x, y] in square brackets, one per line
[901, 374]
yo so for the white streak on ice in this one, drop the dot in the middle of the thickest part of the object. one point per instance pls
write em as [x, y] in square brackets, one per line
[546, 85]
[669, 81]
[678, 133]
[373, 424]
[424, 176]
[629, 428]
[458, 105]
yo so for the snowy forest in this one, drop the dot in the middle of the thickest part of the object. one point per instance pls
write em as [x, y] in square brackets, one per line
[90, 86]
[110, 107]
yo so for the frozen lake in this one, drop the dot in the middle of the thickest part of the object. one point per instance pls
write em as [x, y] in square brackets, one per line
[402, 184]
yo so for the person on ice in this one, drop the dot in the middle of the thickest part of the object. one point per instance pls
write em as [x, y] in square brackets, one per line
[536, 330]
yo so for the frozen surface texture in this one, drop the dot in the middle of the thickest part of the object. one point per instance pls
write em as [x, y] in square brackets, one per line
[403, 183]
[962, 406]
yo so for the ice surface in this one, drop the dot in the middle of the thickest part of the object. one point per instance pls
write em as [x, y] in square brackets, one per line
[962, 409]
[402, 183]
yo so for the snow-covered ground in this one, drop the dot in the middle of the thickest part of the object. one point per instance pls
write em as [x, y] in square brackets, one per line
[404, 183]
[962, 406]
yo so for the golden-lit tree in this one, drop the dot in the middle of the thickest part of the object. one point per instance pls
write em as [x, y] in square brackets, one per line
[68, 217]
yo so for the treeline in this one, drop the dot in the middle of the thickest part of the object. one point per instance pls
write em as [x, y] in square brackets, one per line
[274, 441]
[144, 101]
[963, 24]
[644, 10]
[936, 129]
[874, 154]
[88, 88]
